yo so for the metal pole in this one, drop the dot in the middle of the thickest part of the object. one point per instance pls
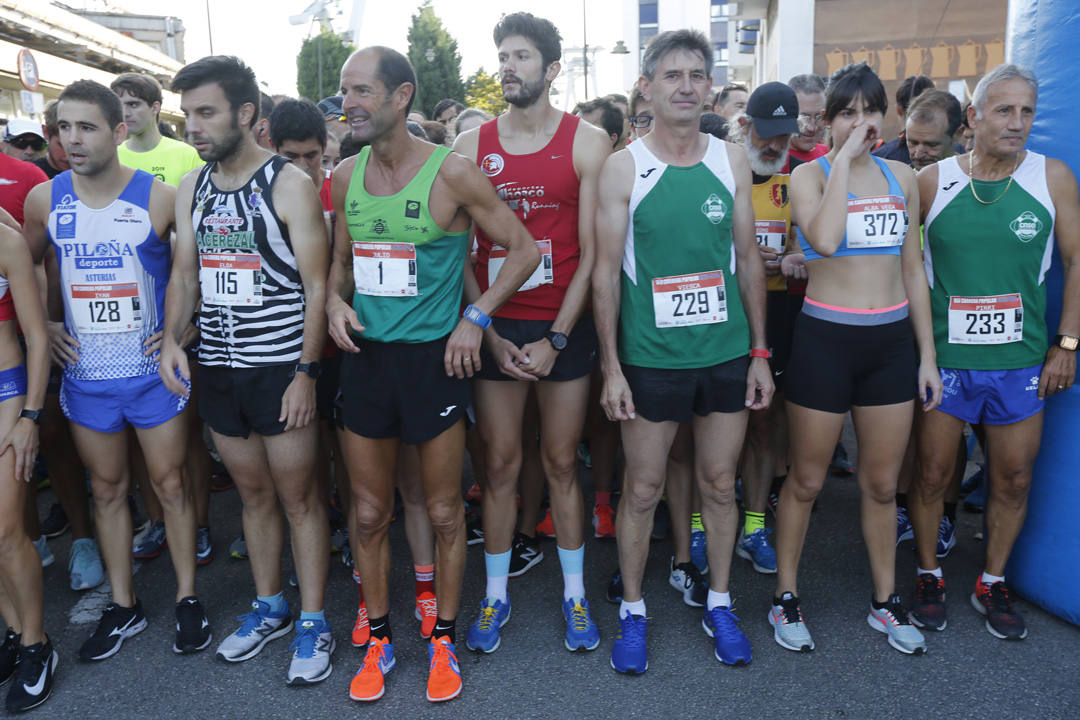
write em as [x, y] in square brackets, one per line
[318, 45]
[209, 29]
[585, 46]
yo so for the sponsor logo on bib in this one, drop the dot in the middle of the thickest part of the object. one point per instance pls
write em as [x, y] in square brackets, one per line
[1026, 226]
[492, 164]
[714, 209]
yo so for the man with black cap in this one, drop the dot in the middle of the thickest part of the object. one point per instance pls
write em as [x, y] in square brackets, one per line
[766, 129]
[23, 139]
[334, 116]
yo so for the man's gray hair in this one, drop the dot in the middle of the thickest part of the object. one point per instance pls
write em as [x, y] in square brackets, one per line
[1001, 73]
[807, 84]
[665, 42]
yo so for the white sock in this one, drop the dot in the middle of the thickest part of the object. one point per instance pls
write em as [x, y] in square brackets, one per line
[936, 572]
[632, 608]
[497, 568]
[573, 572]
[991, 579]
[717, 599]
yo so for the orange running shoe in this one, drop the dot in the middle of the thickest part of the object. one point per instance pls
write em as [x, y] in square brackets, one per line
[427, 612]
[369, 684]
[474, 494]
[361, 631]
[546, 527]
[444, 677]
[603, 521]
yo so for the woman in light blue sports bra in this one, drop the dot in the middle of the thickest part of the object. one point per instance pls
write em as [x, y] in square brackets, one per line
[854, 347]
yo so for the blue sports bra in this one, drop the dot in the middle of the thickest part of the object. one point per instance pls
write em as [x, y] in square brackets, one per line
[875, 225]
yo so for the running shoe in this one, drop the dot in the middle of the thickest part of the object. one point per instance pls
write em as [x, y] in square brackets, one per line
[312, 648]
[152, 542]
[293, 580]
[33, 678]
[84, 565]
[698, 551]
[46, 555]
[117, 624]
[583, 454]
[483, 635]
[756, 548]
[615, 588]
[238, 549]
[946, 537]
[339, 540]
[361, 631]
[581, 631]
[427, 612]
[474, 495]
[603, 522]
[892, 619]
[789, 628]
[629, 653]
[257, 628]
[546, 527]
[928, 609]
[661, 526]
[972, 483]
[220, 482]
[732, 646]
[525, 555]
[685, 578]
[904, 531]
[55, 523]
[1002, 620]
[774, 496]
[204, 548]
[369, 682]
[192, 627]
[444, 675]
[346, 556]
[840, 464]
[474, 529]
[9, 655]
[139, 522]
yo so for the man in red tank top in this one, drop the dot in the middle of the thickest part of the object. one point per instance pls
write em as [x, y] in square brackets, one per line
[544, 164]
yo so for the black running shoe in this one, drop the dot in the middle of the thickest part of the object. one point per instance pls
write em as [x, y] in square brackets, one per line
[525, 554]
[9, 655]
[840, 464]
[116, 625]
[55, 523]
[1002, 620]
[615, 588]
[192, 627]
[474, 528]
[928, 609]
[34, 678]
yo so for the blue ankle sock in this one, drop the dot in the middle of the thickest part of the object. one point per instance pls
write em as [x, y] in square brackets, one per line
[276, 602]
[319, 616]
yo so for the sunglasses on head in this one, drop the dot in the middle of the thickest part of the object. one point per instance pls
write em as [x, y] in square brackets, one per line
[27, 141]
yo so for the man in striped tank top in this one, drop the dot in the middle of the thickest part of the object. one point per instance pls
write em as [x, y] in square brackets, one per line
[251, 244]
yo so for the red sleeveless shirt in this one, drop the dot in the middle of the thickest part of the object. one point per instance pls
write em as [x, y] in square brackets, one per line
[542, 190]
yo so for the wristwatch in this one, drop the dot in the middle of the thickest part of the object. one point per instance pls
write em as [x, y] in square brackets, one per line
[1066, 342]
[314, 369]
[557, 340]
[477, 317]
[35, 415]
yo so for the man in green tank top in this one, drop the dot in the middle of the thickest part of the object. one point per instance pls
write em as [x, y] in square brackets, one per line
[682, 333]
[990, 219]
[393, 307]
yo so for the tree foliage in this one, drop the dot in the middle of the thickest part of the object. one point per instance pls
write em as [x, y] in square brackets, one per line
[484, 91]
[334, 51]
[435, 58]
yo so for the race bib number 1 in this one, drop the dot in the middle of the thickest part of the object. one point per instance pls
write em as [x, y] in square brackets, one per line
[698, 299]
[106, 308]
[231, 278]
[875, 222]
[542, 275]
[771, 234]
[384, 269]
[993, 320]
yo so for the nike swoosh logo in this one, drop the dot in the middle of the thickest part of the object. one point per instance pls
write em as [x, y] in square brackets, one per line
[447, 411]
[778, 373]
[556, 157]
[39, 686]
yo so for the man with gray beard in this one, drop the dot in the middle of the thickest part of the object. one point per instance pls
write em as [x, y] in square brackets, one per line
[765, 131]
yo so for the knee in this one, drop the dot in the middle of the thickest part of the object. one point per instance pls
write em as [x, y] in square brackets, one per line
[256, 495]
[108, 492]
[802, 487]
[560, 468]
[369, 520]
[642, 496]
[1011, 485]
[447, 517]
[718, 488]
[170, 489]
[932, 479]
[878, 490]
[11, 536]
[502, 465]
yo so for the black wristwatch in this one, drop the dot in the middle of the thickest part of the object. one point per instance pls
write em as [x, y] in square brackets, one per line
[36, 415]
[314, 369]
[557, 340]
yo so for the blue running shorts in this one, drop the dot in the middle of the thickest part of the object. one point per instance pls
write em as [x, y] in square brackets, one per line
[12, 382]
[994, 397]
[109, 405]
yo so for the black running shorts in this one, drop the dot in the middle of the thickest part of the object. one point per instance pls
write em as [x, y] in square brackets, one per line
[677, 395]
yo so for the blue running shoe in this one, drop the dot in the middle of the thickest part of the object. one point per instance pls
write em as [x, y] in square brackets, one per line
[615, 588]
[581, 631]
[946, 537]
[257, 628]
[84, 565]
[755, 547]
[484, 633]
[698, 555]
[732, 647]
[312, 648]
[151, 543]
[904, 531]
[628, 653]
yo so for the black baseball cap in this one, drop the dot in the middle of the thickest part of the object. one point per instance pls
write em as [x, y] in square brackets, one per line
[774, 109]
[330, 107]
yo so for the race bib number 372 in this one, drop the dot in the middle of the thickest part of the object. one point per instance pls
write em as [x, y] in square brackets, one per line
[697, 299]
[990, 320]
[874, 222]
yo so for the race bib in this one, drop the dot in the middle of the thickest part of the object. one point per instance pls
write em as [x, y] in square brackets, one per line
[875, 222]
[771, 234]
[993, 320]
[542, 275]
[106, 307]
[384, 269]
[231, 278]
[698, 299]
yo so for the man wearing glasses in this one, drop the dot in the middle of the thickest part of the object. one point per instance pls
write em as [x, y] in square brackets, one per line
[640, 116]
[807, 145]
[23, 139]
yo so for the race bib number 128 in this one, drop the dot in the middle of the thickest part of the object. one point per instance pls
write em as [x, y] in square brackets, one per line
[106, 308]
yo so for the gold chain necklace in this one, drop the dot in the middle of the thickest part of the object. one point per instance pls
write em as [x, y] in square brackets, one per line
[971, 179]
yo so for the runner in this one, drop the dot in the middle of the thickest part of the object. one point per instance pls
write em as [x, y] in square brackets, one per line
[109, 227]
[396, 286]
[544, 164]
[251, 243]
[676, 216]
[991, 217]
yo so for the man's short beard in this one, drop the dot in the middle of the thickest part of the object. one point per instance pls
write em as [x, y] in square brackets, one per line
[228, 145]
[759, 165]
[528, 95]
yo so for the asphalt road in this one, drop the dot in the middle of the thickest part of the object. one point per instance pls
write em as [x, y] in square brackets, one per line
[853, 673]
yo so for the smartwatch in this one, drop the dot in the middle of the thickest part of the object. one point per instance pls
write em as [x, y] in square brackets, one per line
[557, 340]
[313, 369]
[34, 415]
[1066, 342]
[477, 317]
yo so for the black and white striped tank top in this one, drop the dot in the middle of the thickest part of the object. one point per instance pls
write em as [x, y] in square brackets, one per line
[252, 298]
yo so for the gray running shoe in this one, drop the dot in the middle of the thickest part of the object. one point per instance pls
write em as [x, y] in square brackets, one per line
[312, 649]
[789, 629]
[686, 580]
[892, 619]
[256, 629]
